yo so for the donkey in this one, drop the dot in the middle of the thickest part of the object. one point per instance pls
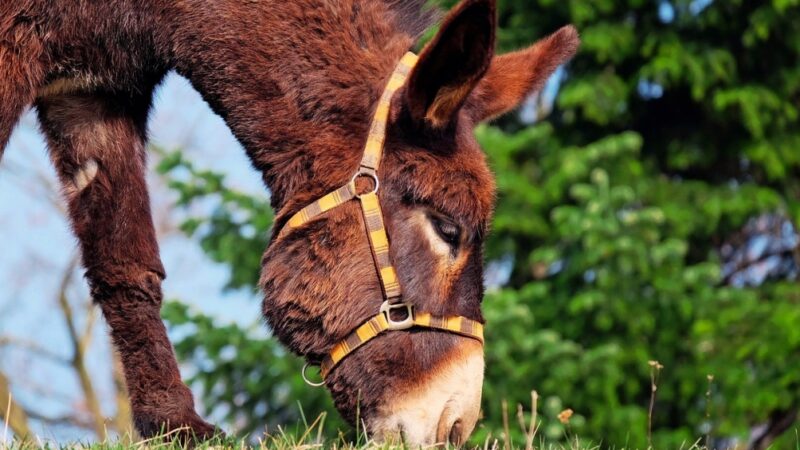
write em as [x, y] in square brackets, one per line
[299, 83]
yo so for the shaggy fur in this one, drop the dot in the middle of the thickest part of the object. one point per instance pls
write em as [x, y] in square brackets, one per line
[297, 82]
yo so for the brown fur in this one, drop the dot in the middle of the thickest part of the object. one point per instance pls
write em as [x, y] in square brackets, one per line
[452, 64]
[516, 74]
[297, 83]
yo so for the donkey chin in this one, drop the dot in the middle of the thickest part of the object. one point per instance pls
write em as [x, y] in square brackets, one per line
[443, 408]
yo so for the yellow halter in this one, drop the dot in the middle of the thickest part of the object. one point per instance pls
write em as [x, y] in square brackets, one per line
[378, 241]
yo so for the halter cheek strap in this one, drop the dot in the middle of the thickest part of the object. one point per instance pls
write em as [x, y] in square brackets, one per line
[378, 241]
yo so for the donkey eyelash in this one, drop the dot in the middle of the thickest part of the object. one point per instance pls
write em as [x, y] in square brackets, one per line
[447, 230]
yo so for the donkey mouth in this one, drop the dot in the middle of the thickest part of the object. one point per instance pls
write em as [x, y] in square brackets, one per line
[443, 409]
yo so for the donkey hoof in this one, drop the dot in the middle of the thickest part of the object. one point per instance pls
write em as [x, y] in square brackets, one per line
[188, 429]
[195, 429]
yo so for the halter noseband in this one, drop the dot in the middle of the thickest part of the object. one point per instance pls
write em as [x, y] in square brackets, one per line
[378, 241]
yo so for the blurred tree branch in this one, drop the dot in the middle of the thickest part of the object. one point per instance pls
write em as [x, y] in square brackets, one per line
[80, 341]
[123, 420]
[32, 348]
[779, 422]
[11, 412]
[69, 419]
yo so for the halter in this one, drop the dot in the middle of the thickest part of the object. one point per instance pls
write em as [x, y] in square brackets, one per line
[378, 242]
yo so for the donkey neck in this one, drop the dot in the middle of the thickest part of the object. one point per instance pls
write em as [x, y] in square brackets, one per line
[295, 81]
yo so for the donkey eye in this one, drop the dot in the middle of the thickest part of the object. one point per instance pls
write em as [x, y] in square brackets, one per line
[448, 231]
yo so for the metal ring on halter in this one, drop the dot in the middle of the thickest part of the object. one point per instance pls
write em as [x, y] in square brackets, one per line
[305, 378]
[366, 173]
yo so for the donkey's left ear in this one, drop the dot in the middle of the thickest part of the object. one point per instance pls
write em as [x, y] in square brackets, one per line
[514, 76]
[451, 65]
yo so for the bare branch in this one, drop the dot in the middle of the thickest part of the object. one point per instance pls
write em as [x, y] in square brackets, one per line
[37, 183]
[86, 338]
[12, 414]
[33, 348]
[779, 422]
[79, 351]
[123, 420]
[67, 420]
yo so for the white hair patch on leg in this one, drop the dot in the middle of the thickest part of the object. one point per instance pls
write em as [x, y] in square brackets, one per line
[85, 175]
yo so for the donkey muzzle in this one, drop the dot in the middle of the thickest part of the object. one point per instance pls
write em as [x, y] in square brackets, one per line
[443, 408]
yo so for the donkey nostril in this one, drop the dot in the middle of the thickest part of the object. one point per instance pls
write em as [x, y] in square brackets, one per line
[456, 433]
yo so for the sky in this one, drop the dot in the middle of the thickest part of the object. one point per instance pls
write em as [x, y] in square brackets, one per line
[39, 248]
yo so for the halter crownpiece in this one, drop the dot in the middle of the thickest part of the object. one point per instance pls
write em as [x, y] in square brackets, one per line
[378, 241]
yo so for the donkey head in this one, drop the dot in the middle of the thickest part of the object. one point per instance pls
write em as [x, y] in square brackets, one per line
[437, 195]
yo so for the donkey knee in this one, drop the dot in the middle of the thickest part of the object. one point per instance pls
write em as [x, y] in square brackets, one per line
[128, 283]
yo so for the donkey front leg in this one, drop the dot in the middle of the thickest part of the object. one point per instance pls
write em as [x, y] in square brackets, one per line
[96, 142]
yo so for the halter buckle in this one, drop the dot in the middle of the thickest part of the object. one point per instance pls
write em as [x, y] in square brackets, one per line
[404, 324]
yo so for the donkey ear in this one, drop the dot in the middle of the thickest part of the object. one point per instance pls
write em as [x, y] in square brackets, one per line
[451, 65]
[512, 77]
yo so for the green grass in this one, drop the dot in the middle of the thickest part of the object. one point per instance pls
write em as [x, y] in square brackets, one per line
[310, 437]
[281, 442]
[276, 442]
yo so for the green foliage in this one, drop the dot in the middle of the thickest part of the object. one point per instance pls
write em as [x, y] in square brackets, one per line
[237, 221]
[675, 124]
[615, 266]
[246, 378]
[668, 133]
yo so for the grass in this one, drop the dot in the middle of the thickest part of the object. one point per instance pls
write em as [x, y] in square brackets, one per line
[284, 441]
[311, 437]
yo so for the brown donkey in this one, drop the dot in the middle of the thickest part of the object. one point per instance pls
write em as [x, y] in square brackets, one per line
[299, 83]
